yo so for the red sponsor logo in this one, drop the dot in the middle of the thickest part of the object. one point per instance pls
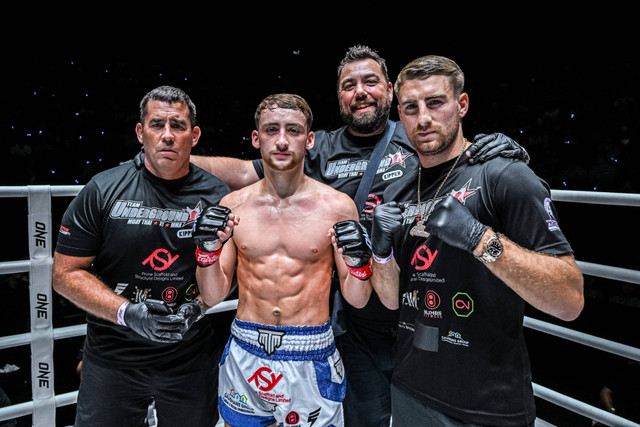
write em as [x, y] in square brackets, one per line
[265, 379]
[432, 300]
[160, 259]
[423, 258]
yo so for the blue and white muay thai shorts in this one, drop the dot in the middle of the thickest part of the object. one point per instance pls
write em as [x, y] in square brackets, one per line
[292, 375]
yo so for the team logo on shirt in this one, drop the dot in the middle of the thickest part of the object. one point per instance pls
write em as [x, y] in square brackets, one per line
[464, 192]
[463, 304]
[345, 168]
[455, 338]
[423, 258]
[431, 303]
[552, 223]
[136, 213]
[410, 299]
[160, 259]
[412, 213]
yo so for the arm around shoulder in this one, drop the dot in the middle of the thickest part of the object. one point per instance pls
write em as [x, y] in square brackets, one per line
[236, 173]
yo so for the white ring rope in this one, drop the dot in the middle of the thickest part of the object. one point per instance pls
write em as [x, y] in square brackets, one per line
[40, 193]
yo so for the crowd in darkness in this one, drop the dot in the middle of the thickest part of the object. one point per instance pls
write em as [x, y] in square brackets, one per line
[69, 115]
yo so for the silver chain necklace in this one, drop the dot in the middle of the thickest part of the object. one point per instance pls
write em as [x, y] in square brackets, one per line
[418, 229]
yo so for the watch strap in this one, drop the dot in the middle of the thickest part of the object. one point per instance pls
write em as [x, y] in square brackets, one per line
[487, 256]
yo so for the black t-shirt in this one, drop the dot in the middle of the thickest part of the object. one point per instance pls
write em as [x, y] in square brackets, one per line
[139, 228]
[339, 160]
[460, 342]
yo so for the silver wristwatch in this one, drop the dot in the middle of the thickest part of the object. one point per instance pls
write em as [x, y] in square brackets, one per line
[492, 249]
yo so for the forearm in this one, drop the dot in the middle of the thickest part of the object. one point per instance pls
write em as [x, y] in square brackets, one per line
[87, 292]
[385, 281]
[357, 292]
[552, 284]
[236, 173]
[213, 283]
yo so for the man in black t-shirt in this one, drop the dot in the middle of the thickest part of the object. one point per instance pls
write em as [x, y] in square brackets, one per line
[367, 336]
[458, 249]
[124, 240]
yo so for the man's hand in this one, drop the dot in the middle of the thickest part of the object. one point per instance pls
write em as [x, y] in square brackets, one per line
[452, 223]
[387, 220]
[213, 228]
[353, 242]
[189, 313]
[486, 147]
[156, 327]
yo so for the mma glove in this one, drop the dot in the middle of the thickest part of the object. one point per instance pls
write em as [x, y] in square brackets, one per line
[486, 147]
[387, 220]
[156, 327]
[452, 223]
[205, 235]
[189, 313]
[354, 241]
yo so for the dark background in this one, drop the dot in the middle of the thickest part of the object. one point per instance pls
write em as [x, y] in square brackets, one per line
[564, 87]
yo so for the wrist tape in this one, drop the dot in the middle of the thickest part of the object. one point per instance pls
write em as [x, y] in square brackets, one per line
[381, 260]
[121, 311]
[362, 273]
[207, 259]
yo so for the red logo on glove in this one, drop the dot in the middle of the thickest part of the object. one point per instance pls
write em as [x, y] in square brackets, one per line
[206, 259]
[362, 273]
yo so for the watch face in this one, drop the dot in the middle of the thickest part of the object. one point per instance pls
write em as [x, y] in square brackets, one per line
[495, 248]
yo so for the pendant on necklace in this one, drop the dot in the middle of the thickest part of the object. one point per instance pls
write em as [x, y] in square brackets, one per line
[418, 230]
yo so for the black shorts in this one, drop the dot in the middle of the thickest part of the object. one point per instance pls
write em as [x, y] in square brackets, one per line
[120, 397]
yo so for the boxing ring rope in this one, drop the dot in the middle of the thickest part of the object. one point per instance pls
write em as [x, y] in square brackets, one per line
[43, 406]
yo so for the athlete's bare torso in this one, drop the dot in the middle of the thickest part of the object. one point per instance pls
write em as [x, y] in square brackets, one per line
[284, 252]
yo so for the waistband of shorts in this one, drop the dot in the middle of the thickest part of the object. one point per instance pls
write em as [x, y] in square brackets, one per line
[284, 342]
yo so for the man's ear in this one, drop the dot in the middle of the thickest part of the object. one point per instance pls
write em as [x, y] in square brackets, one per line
[311, 138]
[255, 141]
[139, 132]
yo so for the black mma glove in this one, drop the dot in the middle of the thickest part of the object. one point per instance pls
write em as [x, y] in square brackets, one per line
[486, 147]
[354, 241]
[387, 220]
[205, 235]
[189, 313]
[452, 223]
[164, 328]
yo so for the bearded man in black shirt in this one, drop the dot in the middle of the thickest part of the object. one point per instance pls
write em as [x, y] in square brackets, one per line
[458, 249]
[366, 337]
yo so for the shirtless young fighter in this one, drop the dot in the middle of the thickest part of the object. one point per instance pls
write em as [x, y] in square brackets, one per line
[281, 364]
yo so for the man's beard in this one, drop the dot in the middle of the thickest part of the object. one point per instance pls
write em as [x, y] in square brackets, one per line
[367, 123]
[447, 137]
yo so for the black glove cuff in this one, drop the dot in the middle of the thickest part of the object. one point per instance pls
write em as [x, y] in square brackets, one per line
[477, 230]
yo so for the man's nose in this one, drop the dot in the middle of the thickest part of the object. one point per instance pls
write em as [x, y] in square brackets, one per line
[167, 133]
